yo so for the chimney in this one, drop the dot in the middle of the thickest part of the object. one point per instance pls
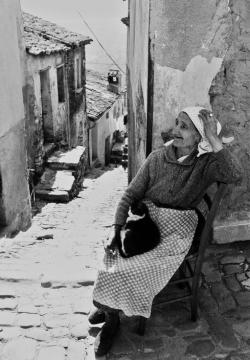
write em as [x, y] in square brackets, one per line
[114, 81]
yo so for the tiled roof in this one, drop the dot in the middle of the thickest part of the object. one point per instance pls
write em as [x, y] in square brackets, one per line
[44, 37]
[99, 99]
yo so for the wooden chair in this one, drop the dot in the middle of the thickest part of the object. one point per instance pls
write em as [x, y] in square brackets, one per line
[190, 269]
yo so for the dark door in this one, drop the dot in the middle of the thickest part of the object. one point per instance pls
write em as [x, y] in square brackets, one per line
[107, 150]
[46, 107]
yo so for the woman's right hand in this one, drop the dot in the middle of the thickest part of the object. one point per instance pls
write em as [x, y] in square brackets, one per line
[113, 239]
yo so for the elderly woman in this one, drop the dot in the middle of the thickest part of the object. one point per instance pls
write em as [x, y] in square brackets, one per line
[171, 182]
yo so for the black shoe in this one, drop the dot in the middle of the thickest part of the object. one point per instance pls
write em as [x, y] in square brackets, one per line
[105, 337]
[96, 317]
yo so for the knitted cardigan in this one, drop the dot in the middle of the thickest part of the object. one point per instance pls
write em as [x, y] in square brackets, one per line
[165, 181]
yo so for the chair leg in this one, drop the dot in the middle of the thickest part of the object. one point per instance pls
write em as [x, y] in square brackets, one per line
[194, 308]
[142, 326]
[182, 271]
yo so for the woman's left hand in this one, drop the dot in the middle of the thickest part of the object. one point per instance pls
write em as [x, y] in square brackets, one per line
[209, 123]
[210, 129]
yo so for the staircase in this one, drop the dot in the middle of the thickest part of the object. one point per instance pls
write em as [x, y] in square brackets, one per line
[63, 175]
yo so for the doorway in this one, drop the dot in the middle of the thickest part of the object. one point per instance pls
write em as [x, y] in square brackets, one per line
[48, 132]
[107, 150]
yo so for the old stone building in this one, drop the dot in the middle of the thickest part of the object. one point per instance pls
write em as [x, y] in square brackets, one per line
[15, 210]
[184, 53]
[106, 108]
[55, 89]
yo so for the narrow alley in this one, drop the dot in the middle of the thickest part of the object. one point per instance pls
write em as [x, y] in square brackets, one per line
[47, 273]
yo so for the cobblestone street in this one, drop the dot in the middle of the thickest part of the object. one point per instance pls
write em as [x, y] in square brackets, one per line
[47, 276]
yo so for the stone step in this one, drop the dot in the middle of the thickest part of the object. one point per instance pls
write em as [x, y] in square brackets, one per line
[66, 160]
[63, 177]
[56, 185]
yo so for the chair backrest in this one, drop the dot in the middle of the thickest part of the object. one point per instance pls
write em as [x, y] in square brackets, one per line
[206, 231]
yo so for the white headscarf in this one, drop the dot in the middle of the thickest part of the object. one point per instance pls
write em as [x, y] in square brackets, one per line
[204, 145]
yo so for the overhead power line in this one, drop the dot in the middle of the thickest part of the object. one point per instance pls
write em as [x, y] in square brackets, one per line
[106, 52]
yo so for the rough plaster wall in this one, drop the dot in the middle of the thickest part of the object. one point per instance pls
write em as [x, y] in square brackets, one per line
[16, 201]
[189, 41]
[14, 177]
[137, 82]
[11, 112]
[230, 100]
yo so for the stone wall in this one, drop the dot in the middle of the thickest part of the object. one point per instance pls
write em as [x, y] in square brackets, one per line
[14, 195]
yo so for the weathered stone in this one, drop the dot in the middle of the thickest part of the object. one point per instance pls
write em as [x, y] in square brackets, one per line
[232, 269]
[7, 292]
[10, 332]
[55, 321]
[207, 302]
[168, 332]
[246, 283]
[222, 331]
[232, 259]
[242, 313]
[37, 334]
[76, 319]
[8, 304]
[232, 284]
[79, 331]
[59, 332]
[27, 308]
[28, 320]
[82, 307]
[223, 297]
[61, 342]
[76, 350]
[66, 160]
[19, 349]
[52, 352]
[213, 276]
[7, 318]
[243, 329]
[46, 284]
[53, 195]
[200, 348]
[240, 277]
[243, 298]
[45, 237]
[62, 309]
[208, 268]
[155, 343]
[185, 326]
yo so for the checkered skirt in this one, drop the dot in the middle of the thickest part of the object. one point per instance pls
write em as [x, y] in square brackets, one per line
[130, 284]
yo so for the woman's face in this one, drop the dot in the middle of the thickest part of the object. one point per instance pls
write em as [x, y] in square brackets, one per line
[185, 133]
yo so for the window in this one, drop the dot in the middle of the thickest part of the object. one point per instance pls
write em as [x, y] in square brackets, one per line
[60, 84]
[78, 74]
